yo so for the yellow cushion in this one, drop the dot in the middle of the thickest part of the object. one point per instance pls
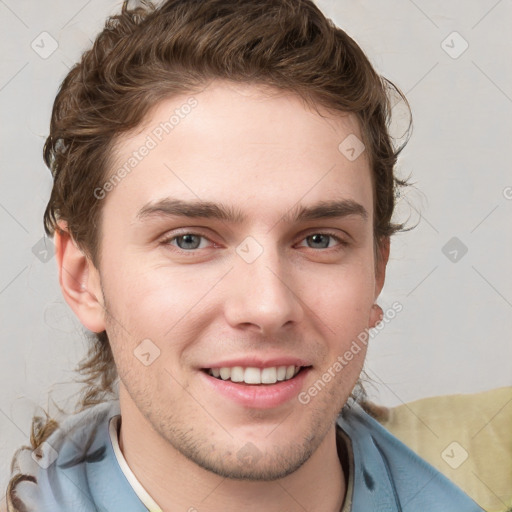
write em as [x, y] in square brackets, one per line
[468, 438]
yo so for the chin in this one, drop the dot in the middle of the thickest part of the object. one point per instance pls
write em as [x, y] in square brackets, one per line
[249, 464]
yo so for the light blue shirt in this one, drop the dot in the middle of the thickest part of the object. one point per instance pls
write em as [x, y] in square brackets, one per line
[79, 471]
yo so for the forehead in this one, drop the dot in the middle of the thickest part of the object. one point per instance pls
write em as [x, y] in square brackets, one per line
[245, 145]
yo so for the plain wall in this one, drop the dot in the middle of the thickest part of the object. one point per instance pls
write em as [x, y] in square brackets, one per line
[453, 333]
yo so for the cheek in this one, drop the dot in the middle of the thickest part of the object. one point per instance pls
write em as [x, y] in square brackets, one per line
[145, 293]
[162, 305]
[343, 297]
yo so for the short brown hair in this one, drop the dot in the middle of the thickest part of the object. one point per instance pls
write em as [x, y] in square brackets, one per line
[146, 54]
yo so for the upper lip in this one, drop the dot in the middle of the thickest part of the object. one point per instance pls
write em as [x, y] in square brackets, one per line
[259, 362]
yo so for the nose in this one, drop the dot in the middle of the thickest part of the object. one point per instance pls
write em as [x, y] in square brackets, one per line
[262, 295]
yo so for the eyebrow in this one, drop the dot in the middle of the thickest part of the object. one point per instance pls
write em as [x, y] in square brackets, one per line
[169, 207]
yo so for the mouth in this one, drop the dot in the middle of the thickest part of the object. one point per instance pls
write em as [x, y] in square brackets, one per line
[260, 386]
[255, 376]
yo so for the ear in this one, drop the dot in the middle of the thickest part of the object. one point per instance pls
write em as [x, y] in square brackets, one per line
[383, 248]
[79, 281]
[381, 263]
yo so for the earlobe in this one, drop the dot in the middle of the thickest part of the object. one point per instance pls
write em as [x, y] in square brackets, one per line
[376, 315]
[79, 281]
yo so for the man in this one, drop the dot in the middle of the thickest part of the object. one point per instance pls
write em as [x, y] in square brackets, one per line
[222, 214]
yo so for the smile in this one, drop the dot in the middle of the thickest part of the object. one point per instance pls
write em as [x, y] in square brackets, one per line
[253, 375]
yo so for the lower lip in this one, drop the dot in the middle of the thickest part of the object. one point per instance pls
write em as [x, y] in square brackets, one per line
[258, 396]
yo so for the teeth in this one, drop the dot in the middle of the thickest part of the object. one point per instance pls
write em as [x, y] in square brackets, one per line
[225, 373]
[281, 373]
[269, 375]
[253, 375]
[237, 374]
[250, 376]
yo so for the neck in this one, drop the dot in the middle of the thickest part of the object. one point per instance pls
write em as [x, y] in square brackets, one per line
[176, 483]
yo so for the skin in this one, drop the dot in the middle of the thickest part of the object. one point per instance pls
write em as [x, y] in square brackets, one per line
[262, 152]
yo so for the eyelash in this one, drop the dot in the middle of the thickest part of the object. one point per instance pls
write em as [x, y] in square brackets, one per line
[167, 241]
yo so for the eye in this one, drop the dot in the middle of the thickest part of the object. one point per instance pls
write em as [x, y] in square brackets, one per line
[323, 241]
[188, 241]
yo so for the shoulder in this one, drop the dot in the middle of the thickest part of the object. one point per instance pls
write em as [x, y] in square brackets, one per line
[38, 473]
[448, 432]
[385, 467]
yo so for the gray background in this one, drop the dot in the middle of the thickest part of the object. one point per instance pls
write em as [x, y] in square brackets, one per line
[453, 335]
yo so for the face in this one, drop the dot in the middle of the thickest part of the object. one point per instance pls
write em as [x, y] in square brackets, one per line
[237, 265]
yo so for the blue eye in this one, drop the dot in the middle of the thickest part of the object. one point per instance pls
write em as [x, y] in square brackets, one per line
[322, 240]
[188, 241]
[319, 241]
